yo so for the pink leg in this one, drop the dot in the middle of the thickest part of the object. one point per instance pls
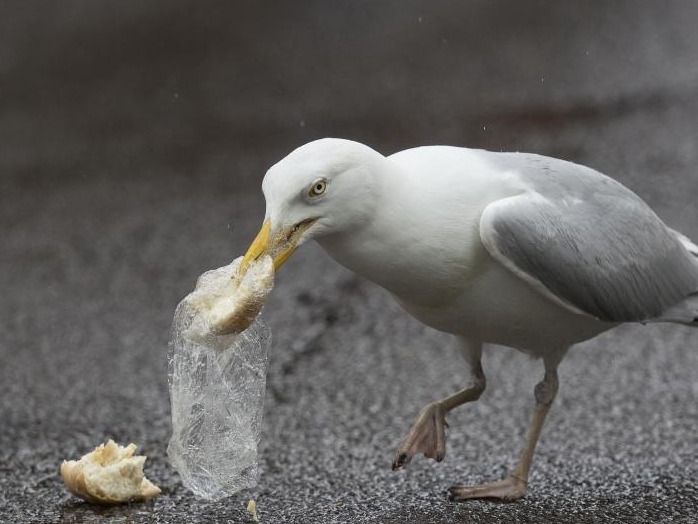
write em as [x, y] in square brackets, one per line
[514, 486]
[428, 434]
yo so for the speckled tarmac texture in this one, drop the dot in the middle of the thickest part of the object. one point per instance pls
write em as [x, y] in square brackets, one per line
[134, 137]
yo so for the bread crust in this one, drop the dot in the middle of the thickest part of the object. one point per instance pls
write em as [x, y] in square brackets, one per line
[109, 475]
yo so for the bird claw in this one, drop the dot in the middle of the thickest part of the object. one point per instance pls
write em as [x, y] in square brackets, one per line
[427, 436]
[401, 459]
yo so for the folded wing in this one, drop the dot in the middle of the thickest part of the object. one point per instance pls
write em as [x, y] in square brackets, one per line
[591, 245]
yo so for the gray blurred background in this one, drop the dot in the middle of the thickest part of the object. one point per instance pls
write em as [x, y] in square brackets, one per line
[133, 139]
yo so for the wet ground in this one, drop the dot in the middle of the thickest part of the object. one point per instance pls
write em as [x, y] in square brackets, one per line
[134, 138]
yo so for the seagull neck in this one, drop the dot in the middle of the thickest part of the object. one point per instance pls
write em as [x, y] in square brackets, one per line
[399, 245]
[422, 239]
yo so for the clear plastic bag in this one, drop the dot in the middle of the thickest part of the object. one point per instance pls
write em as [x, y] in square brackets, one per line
[217, 385]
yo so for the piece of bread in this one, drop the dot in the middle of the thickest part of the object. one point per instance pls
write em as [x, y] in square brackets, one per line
[230, 302]
[109, 475]
[234, 312]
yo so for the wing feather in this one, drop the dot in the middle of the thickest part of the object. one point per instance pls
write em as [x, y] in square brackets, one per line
[591, 244]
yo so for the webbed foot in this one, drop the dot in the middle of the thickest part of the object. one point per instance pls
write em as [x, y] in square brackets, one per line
[428, 436]
[508, 489]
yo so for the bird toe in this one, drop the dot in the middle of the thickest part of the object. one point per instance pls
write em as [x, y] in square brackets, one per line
[401, 460]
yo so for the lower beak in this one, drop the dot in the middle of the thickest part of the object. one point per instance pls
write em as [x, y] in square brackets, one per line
[278, 245]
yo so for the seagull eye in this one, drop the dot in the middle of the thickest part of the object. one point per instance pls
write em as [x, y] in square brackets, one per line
[318, 187]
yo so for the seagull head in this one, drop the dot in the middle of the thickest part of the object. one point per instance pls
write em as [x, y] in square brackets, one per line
[326, 187]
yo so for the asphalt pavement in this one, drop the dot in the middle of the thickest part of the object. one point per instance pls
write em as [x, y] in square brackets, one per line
[134, 139]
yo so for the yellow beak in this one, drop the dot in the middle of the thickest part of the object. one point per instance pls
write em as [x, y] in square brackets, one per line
[257, 248]
[279, 246]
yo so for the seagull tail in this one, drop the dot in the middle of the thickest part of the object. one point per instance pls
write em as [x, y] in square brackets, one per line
[685, 312]
[686, 243]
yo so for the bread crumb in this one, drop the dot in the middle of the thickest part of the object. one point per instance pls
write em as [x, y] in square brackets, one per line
[252, 510]
[109, 475]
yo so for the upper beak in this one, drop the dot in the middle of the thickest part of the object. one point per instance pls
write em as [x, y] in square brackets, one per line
[279, 245]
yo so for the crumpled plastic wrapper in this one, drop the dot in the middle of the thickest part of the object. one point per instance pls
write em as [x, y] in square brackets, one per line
[217, 381]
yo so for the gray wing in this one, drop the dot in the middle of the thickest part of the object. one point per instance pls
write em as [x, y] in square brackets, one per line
[587, 242]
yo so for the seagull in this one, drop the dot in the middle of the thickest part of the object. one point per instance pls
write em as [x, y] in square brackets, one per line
[513, 249]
